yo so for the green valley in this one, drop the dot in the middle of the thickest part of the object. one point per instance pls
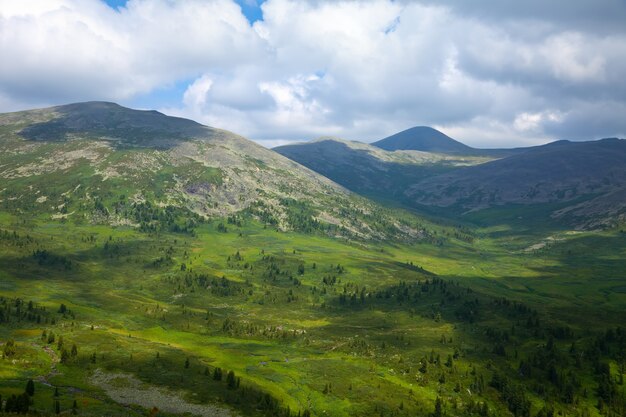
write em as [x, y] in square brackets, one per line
[203, 274]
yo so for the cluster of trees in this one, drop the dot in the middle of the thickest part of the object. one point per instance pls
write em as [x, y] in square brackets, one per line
[261, 211]
[166, 259]
[244, 328]
[218, 286]
[65, 353]
[153, 218]
[274, 269]
[16, 403]
[461, 233]
[249, 396]
[15, 239]
[235, 220]
[298, 215]
[301, 217]
[18, 310]
[47, 258]
[514, 395]
[19, 403]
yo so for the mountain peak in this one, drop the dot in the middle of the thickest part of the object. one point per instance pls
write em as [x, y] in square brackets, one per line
[423, 138]
[110, 120]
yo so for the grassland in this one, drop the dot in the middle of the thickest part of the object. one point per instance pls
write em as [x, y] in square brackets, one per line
[307, 324]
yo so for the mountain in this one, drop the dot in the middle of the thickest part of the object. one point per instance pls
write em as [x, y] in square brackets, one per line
[581, 184]
[370, 170]
[423, 138]
[122, 126]
[101, 162]
[427, 139]
[587, 179]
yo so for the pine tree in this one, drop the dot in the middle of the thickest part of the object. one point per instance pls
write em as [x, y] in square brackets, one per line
[230, 380]
[65, 356]
[30, 388]
[9, 348]
[438, 408]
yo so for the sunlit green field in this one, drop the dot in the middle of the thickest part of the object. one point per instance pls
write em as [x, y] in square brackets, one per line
[309, 324]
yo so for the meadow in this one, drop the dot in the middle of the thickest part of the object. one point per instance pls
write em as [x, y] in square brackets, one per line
[234, 317]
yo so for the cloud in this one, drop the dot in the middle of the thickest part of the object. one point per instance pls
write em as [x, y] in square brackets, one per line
[196, 94]
[489, 74]
[60, 50]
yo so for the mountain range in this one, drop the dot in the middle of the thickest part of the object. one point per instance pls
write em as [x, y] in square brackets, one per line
[581, 184]
[145, 155]
[100, 153]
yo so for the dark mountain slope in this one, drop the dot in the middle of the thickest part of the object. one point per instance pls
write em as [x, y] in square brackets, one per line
[558, 172]
[427, 139]
[423, 138]
[126, 126]
[370, 170]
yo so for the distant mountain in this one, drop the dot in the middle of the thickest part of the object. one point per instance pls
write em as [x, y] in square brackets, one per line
[369, 170]
[587, 178]
[104, 163]
[427, 139]
[423, 138]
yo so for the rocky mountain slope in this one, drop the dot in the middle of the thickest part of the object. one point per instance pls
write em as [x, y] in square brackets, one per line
[100, 162]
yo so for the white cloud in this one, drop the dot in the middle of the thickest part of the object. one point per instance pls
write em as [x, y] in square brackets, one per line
[357, 69]
[196, 94]
[532, 122]
[79, 49]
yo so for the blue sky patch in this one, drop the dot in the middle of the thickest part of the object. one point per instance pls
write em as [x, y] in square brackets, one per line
[251, 8]
[116, 4]
[168, 96]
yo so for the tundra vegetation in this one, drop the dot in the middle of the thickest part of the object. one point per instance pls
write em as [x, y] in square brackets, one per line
[133, 297]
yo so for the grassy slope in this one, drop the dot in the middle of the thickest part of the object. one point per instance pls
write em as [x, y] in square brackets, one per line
[156, 297]
[300, 346]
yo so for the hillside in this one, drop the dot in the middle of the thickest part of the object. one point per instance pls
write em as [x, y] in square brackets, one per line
[102, 163]
[369, 170]
[587, 178]
[153, 266]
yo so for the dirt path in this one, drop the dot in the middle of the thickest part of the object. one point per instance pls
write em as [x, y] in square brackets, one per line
[127, 390]
[54, 360]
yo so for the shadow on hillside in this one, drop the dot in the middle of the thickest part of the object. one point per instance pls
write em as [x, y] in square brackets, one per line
[360, 171]
[124, 127]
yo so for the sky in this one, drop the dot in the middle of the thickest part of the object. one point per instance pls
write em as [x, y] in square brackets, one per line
[498, 73]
